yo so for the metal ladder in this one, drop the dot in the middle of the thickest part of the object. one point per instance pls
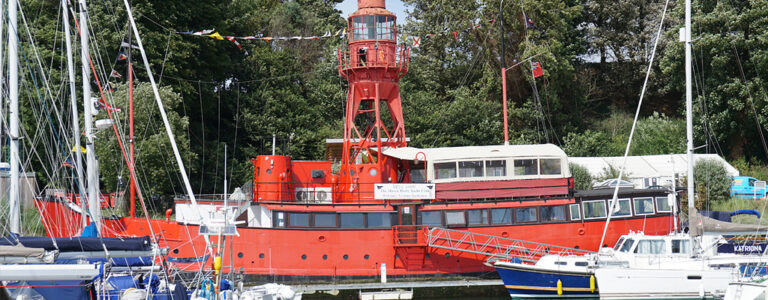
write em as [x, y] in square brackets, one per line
[494, 247]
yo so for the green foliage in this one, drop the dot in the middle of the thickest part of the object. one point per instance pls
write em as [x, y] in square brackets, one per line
[582, 180]
[711, 180]
[659, 134]
[752, 168]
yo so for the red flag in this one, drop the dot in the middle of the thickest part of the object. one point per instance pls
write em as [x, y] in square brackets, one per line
[536, 69]
[455, 35]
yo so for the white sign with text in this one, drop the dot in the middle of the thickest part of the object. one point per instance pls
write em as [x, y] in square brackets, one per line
[389, 191]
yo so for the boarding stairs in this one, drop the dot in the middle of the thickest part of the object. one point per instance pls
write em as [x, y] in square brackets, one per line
[490, 247]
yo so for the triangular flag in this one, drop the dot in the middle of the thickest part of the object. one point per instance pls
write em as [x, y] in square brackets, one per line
[126, 45]
[121, 56]
[115, 74]
[82, 149]
[266, 38]
[455, 35]
[528, 22]
[327, 34]
[216, 35]
[204, 32]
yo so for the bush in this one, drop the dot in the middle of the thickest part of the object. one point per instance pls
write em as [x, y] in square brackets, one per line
[711, 181]
[582, 180]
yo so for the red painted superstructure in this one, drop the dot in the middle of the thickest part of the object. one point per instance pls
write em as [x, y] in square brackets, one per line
[319, 219]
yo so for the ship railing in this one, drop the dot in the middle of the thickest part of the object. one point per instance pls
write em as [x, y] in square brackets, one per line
[410, 235]
[375, 58]
[495, 248]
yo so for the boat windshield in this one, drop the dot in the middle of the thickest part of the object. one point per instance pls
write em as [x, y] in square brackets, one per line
[627, 245]
[618, 244]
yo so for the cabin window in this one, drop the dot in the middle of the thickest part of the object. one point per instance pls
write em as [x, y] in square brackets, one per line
[618, 243]
[279, 219]
[643, 206]
[445, 170]
[471, 169]
[681, 246]
[627, 245]
[385, 28]
[379, 220]
[325, 220]
[431, 218]
[353, 220]
[594, 209]
[525, 215]
[552, 213]
[298, 220]
[495, 168]
[364, 28]
[417, 172]
[622, 209]
[550, 166]
[650, 247]
[455, 218]
[662, 204]
[581, 263]
[501, 216]
[477, 217]
[575, 211]
[526, 167]
[561, 263]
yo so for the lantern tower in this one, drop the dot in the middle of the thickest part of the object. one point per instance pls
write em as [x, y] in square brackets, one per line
[372, 64]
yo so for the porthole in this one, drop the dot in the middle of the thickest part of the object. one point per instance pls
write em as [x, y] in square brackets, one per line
[239, 254]
[269, 171]
[372, 172]
[366, 257]
[175, 251]
[426, 256]
[261, 255]
[303, 257]
[325, 256]
[346, 257]
[447, 255]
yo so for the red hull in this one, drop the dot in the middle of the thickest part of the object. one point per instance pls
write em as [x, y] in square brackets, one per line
[341, 252]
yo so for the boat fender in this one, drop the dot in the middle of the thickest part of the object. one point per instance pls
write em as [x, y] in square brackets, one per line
[559, 287]
[582, 231]
[592, 284]
[217, 264]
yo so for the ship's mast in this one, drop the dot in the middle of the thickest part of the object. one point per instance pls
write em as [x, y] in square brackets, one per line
[372, 64]
[75, 117]
[13, 93]
[90, 151]
[689, 109]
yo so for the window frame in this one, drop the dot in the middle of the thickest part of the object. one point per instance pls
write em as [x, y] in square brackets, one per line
[614, 215]
[578, 209]
[487, 167]
[584, 212]
[483, 211]
[639, 213]
[559, 166]
[341, 224]
[461, 212]
[478, 175]
[390, 217]
[509, 216]
[436, 168]
[421, 217]
[289, 219]
[335, 219]
[541, 219]
[656, 204]
[535, 165]
[535, 215]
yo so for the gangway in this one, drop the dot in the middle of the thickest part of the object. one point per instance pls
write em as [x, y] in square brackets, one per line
[494, 247]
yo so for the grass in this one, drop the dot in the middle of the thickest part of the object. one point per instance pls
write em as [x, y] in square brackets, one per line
[735, 204]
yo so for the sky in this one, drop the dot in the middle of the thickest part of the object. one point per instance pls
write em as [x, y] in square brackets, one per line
[395, 6]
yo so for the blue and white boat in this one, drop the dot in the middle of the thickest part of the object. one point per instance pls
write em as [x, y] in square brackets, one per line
[551, 276]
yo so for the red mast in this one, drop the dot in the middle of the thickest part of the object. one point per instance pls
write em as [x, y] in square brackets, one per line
[373, 64]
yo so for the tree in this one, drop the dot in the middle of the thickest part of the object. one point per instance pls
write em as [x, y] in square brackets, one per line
[711, 181]
[659, 134]
[582, 179]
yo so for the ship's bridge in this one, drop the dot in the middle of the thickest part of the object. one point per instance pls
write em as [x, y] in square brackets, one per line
[484, 163]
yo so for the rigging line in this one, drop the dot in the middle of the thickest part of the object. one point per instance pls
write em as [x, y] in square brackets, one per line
[241, 81]
[751, 102]
[165, 59]
[218, 142]
[202, 131]
[237, 121]
[119, 140]
[614, 202]
[711, 137]
[463, 82]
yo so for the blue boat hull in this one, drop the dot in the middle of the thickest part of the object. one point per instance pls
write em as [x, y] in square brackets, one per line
[522, 282]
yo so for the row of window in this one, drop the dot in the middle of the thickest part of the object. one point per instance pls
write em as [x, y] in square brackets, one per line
[333, 220]
[373, 27]
[592, 209]
[497, 168]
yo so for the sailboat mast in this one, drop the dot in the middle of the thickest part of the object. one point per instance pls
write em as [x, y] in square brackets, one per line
[13, 92]
[93, 180]
[689, 107]
[75, 117]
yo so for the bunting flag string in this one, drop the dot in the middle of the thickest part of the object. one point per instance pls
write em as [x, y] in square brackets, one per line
[413, 41]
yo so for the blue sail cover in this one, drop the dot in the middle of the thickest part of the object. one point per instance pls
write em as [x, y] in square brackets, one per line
[79, 244]
[138, 261]
[51, 290]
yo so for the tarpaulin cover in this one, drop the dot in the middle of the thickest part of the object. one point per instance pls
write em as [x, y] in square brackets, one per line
[76, 244]
[115, 261]
[52, 290]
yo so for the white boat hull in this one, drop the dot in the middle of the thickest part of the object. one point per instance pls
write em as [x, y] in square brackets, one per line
[746, 291]
[623, 283]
